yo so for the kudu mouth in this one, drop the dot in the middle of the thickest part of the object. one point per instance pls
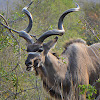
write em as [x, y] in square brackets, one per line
[29, 68]
[33, 63]
[34, 67]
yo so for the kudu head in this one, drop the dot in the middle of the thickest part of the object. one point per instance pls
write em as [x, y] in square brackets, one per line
[37, 49]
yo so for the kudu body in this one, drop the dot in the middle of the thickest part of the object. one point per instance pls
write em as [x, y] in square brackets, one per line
[80, 63]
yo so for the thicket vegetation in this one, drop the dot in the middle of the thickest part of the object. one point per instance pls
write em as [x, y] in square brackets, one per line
[15, 82]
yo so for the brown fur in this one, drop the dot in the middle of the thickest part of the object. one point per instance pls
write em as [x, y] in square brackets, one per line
[80, 65]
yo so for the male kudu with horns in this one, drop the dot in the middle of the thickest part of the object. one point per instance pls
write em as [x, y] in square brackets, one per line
[80, 64]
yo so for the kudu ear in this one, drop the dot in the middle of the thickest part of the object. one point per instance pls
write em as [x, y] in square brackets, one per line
[47, 46]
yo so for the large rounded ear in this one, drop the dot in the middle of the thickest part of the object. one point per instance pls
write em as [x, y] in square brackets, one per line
[47, 46]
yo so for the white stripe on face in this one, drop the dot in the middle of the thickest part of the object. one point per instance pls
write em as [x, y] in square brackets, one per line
[33, 53]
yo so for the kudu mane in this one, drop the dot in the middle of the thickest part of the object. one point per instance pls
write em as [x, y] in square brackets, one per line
[78, 64]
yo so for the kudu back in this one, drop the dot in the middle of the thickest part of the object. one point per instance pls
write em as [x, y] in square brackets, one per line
[80, 63]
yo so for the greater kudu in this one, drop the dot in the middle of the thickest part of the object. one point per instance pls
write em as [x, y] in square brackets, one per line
[80, 64]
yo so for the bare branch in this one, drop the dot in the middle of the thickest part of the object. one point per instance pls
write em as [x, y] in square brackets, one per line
[91, 29]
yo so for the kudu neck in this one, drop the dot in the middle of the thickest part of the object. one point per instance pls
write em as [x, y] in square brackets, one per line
[55, 66]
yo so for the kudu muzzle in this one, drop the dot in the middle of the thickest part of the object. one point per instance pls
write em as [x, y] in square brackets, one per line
[32, 61]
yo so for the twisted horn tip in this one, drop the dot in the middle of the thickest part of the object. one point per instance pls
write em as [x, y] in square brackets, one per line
[77, 5]
[29, 4]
